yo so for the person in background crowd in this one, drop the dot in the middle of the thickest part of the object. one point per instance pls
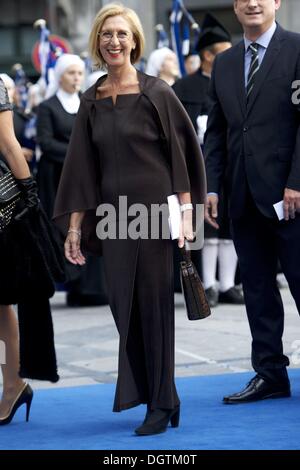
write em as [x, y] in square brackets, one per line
[36, 95]
[93, 77]
[20, 119]
[163, 63]
[192, 62]
[56, 117]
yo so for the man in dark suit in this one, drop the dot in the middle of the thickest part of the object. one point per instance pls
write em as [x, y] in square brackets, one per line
[253, 141]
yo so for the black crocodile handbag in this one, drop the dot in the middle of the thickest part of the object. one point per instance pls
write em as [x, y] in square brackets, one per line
[197, 306]
[10, 195]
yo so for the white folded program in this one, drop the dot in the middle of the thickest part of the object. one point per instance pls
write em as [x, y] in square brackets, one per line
[279, 210]
[174, 216]
[201, 127]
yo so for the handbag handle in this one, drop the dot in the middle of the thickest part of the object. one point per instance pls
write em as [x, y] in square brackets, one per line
[186, 254]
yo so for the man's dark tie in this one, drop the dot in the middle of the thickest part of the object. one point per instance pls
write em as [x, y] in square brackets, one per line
[254, 67]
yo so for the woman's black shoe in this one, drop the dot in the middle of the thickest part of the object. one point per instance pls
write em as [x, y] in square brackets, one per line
[157, 421]
[148, 412]
[24, 397]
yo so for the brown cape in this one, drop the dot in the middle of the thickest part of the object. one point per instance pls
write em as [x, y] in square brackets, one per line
[79, 188]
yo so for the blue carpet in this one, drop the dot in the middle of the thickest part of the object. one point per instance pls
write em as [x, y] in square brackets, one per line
[81, 418]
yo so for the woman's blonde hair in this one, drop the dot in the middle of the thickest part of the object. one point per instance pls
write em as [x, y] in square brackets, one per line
[116, 9]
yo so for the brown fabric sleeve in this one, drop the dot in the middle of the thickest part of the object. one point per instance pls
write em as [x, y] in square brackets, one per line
[188, 170]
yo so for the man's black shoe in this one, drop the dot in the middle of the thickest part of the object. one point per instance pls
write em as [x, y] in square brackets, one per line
[259, 389]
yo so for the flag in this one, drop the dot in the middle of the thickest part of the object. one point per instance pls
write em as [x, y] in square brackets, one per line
[175, 20]
[20, 80]
[181, 22]
[48, 52]
[163, 40]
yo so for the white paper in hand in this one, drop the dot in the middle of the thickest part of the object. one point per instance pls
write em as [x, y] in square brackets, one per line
[279, 210]
[201, 127]
[174, 216]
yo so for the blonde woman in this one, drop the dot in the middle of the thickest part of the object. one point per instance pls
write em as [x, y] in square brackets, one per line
[132, 138]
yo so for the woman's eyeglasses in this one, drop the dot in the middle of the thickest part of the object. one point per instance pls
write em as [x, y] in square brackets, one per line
[106, 36]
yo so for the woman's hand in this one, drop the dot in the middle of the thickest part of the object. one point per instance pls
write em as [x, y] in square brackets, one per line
[186, 227]
[72, 248]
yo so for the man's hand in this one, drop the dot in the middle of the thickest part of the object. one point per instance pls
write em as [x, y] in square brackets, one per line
[291, 203]
[211, 210]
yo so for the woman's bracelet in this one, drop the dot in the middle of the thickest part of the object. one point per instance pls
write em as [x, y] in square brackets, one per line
[185, 207]
[73, 230]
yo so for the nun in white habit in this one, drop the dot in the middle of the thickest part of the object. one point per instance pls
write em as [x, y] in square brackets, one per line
[163, 63]
[55, 120]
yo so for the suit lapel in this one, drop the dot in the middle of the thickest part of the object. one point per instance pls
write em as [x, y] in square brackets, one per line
[269, 59]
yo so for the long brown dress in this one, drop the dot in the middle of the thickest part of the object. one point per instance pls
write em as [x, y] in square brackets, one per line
[132, 159]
